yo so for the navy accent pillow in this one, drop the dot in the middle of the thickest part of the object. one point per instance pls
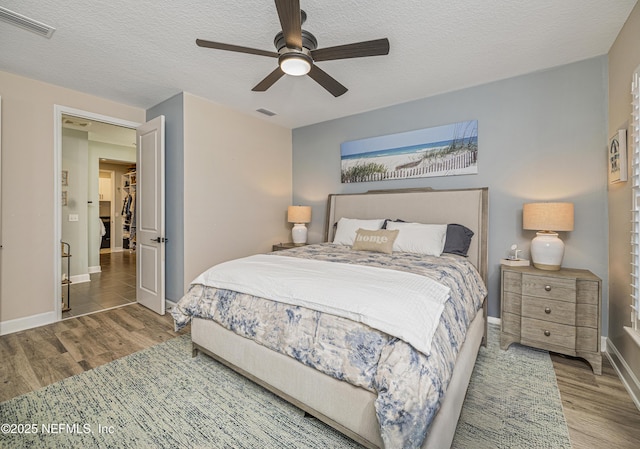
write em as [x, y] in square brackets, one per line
[458, 240]
[384, 225]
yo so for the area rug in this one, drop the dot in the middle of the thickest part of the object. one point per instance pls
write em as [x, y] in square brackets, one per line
[163, 398]
[513, 401]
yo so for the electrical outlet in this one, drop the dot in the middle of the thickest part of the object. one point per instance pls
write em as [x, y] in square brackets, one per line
[73, 217]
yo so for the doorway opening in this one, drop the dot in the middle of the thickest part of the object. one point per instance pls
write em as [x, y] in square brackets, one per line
[96, 156]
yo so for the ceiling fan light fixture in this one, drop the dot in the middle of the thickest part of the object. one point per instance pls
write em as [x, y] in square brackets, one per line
[296, 64]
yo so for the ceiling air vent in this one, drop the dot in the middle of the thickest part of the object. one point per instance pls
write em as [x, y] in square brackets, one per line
[24, 22]
[266, 112]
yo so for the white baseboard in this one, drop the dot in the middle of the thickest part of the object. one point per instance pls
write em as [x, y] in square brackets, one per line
[626, 375]
[117, 249]
[80, 278]
[21, 324]
[96, 269]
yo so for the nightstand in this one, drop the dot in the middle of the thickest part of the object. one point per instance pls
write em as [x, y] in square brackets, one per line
[554, 310]
[288, 245]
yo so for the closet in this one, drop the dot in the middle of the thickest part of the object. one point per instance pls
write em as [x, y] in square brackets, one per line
[129, 210]
[105, 194]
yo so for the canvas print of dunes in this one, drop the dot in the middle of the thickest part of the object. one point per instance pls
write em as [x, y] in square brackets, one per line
[438, 151]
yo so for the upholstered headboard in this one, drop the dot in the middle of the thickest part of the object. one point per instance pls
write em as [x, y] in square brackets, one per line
[468, 207]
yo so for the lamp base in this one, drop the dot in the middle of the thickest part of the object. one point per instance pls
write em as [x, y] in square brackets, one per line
[299, 234]
[547, 251]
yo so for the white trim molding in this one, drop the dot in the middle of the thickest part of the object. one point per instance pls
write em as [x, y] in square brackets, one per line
[168, 304]
[626, 375]
[29, 322]
[80, 278]
[58, 111]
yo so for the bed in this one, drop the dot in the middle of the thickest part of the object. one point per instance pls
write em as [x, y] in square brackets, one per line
[349, 396]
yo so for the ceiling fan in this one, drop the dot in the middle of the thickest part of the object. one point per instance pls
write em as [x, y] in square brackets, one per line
[297, 52]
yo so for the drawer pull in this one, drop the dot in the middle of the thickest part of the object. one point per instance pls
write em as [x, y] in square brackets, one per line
[547, 310]
[547, 288]
[547, 333]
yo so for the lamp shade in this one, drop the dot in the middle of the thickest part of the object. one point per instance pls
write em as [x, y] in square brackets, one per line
[299, 214]
[548, 216]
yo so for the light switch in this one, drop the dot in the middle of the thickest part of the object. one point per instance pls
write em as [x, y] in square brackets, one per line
[73, 217]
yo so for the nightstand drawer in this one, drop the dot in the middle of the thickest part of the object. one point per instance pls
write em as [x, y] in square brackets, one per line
[549, 287]
[549, 310]
[587, 315]
[511, 323]
[549, 333]
[587, 339]
[511, 303]
[512, 282]
[588, 292]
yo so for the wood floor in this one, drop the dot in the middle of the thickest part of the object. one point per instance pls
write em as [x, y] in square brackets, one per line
[37, 357]
[598, 410]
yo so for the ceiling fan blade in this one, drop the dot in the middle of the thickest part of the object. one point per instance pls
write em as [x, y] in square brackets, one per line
[325, 80]
[291, 22]
[236, 48]
[269, 80]
[358, 50]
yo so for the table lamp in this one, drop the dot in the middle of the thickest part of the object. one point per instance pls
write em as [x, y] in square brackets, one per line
[547, 250]
[299, 215]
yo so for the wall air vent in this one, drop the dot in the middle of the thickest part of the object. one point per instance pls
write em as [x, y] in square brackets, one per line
[266, 112]
[24, 22]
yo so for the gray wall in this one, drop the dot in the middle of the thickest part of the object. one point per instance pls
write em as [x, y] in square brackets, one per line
[173, 110]
[541, 136]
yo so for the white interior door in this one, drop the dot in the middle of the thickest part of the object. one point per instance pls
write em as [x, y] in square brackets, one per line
[150, 236]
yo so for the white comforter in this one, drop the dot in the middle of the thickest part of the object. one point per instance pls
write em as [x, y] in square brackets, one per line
[405, 305]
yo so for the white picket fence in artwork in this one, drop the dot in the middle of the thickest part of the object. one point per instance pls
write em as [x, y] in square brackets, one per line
[456, 162]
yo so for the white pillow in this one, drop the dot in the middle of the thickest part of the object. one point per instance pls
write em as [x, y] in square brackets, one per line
[347, 228]
[419, 238]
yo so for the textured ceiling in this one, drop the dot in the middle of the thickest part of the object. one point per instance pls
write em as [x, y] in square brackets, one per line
[143, 52]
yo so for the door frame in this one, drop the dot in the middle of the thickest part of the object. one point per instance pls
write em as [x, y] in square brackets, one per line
[58, 111]
[112, 205]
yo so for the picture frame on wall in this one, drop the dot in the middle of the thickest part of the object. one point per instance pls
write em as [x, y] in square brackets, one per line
[445, 150]
[617, 157]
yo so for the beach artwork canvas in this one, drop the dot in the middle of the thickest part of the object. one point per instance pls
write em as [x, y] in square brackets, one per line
[438, 151]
